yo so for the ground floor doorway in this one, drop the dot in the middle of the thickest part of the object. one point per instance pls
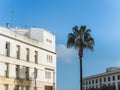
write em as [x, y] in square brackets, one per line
[48, 87]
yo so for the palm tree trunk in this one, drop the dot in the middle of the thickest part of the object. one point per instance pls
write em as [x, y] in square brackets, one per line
[80, 57]
[81, 83]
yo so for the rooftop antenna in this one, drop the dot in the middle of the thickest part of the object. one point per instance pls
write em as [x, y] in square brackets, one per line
[7, 25]
[11, 18]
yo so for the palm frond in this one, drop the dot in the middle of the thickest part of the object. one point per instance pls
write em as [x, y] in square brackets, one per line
[89, 42]
[88, 31]
[83, 29]
[71, 40]
[75, 30]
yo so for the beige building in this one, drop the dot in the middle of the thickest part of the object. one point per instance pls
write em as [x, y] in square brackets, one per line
[110, 77]
[27, 59]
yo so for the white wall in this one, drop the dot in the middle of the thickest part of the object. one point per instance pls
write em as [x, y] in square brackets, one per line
[2, 70]
[42, 36]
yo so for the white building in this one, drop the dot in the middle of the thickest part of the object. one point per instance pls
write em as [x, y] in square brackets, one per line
[110, 77]
[27, 59]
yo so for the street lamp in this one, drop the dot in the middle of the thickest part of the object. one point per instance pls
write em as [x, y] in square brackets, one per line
[35, 76]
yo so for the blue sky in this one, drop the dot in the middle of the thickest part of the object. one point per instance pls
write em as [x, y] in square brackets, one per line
[59, 16]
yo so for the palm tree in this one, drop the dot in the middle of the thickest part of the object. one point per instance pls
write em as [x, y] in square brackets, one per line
[80, 39]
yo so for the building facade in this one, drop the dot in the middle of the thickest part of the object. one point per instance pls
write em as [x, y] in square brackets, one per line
[110, 77]
[27, 59]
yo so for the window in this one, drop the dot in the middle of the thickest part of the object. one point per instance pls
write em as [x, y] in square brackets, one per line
[100, 80]
[86, 83]
[113, 78]
[118, 77]
[89, 82]
[6, 86]
[96, 81]
[104, 79]
[48, 40]
[6, 69]
[27, 88]
[27, 54]
[7, 47]
[92, 81]
[35, 72]
[36, 57]
[35, 88]
[18, 52]
[93, 86]
[114, 84]
[27, 73]
[49, 58]
[96, 86]
[118, 85]
[89, 86]
[16, 87]
[83, 83]
[47, 74]
[108, 78]
[86, 88]
[17, 71]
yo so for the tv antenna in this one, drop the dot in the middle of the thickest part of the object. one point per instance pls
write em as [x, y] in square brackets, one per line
[11, 18]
